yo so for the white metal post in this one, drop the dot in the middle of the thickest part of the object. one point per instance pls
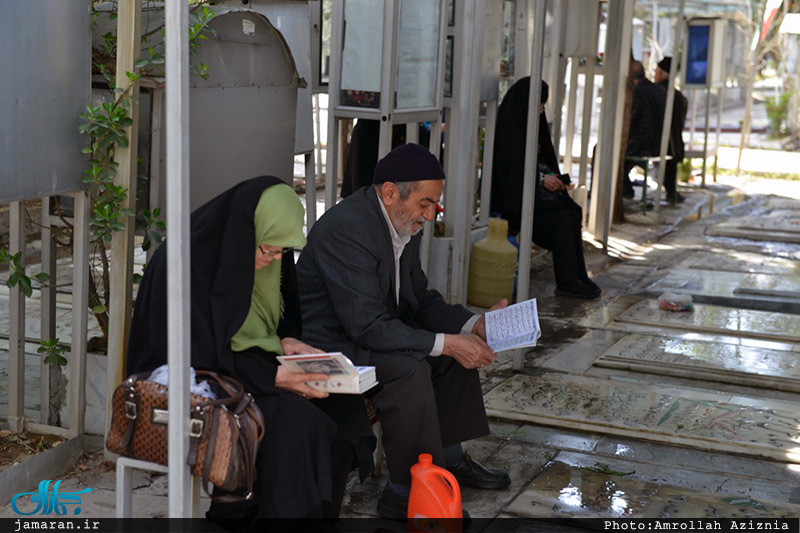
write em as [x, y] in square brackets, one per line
[523, 38]
[488, 161]
[615, 72]
[667, 126]
[705, 136]
[16, 334]
[571, 104]
[588, 98]
[720, 102]
[427, 233]
[462, 144]
[334, 84]
[311, 190]
[311, 207]
[391, 13]
[555, 75]
[178, 253]
[693, 118]
[80, 314]
[531, 162]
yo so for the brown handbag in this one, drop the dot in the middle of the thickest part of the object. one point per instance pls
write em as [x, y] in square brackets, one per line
[224, 434]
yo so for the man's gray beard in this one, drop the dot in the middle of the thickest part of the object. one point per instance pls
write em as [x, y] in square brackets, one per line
[405, 230]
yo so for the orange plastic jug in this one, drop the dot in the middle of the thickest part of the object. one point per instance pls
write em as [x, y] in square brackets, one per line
[434, 491]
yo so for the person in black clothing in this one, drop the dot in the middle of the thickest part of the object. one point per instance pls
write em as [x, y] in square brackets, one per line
[245, 310]
[362, 156]
[676, 147]
[647, 119]
[557, 218]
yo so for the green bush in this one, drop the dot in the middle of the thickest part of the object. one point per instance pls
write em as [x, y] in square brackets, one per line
[777, 112]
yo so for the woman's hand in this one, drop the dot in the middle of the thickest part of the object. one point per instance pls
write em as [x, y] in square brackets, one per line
[293, 381]
[296, 383]
[552, 183]
[292, 346]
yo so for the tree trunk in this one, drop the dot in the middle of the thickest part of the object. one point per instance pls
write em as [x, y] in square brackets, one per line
[750, 70]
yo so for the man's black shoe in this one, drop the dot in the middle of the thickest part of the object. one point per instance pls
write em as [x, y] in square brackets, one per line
[395, 507]
[675, 197]
[470, 473]
[592, 285]
[577, 289]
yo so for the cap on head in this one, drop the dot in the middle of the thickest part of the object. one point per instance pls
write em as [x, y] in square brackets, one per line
[409, 162]
[665, 64]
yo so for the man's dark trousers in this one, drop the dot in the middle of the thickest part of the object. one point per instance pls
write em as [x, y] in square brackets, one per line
[424, 406]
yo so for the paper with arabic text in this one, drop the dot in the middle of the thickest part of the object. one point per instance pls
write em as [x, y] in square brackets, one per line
[515, 326]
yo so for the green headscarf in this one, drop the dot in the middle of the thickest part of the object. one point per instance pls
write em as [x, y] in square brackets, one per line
[279, 222]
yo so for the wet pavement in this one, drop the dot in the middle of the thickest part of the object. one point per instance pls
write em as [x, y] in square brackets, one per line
[625, 410]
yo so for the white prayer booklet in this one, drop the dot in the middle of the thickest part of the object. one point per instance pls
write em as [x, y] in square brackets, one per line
[515, 326]
[344, 378]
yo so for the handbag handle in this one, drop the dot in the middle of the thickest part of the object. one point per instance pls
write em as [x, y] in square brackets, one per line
[232, 388]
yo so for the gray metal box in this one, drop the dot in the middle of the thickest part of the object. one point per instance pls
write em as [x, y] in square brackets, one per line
[46, 86]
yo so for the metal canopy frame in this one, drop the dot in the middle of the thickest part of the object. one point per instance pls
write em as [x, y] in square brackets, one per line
[178, 253]
[387, 113]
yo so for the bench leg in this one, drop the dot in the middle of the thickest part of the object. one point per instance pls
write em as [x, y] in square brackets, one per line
[124, 490]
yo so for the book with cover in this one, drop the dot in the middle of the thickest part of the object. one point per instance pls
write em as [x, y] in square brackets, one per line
[345, 377]
[515, 326]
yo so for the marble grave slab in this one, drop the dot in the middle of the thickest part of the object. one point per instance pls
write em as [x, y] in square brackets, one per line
[782, 225]
[674, 415]
[565, 491]
[766, 292]
[740, 261]
[707, 361]
[706, 318]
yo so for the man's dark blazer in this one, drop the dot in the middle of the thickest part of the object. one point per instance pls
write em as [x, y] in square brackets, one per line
[347, 288]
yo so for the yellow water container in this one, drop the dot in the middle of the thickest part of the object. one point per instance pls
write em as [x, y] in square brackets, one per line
[492, 266]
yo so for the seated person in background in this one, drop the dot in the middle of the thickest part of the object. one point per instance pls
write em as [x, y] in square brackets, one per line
[557, 218]
[647, 120]
[364, 293]
[245, 310]
[363, 153]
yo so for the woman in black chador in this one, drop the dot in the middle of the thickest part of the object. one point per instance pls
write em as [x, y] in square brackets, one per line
[245, 310]
[557, 218]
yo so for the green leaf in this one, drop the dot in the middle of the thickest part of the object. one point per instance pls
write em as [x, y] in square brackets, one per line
[128, 211]
[98, 309]
[42, 277]
[41, 349]
[142, 63]
[25, 285]
[62, 361]
[13, 279]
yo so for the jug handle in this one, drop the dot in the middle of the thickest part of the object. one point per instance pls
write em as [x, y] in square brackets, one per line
[454, 488]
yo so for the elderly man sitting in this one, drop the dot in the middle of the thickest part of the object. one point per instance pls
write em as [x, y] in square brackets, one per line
[363, 292]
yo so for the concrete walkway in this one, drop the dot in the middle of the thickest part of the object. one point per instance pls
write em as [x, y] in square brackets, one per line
[558, 467]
